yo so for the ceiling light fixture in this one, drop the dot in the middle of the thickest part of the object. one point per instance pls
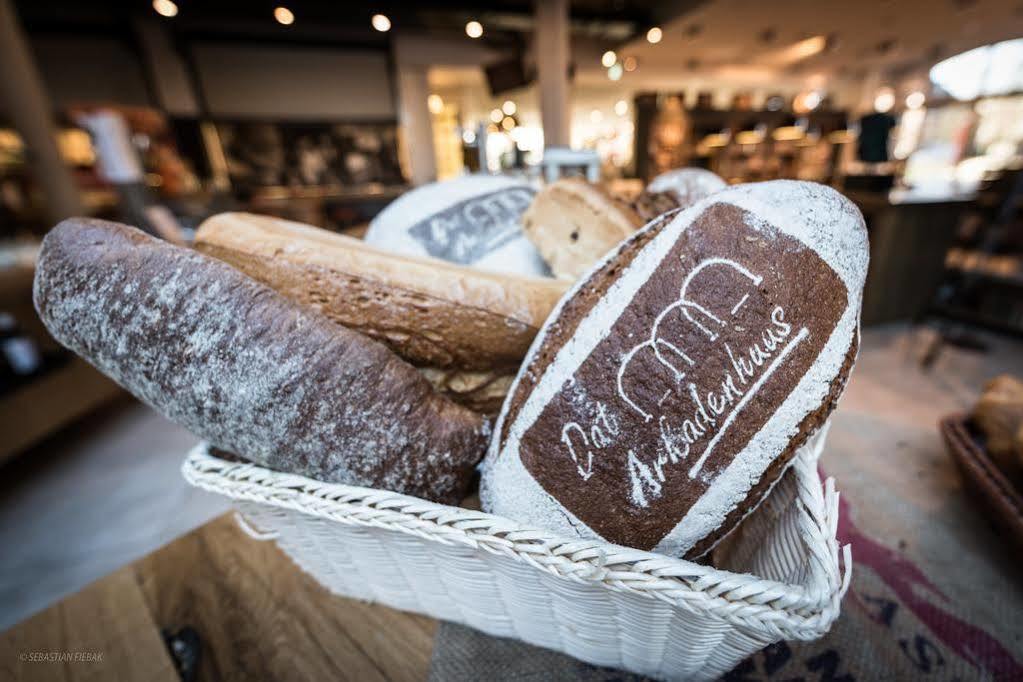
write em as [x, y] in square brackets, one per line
[915, 100]
[884, 101]
[381, 23]
[615, 72]
[654, 35]
[474, 29]
[797, 51]
[284, 16]
[509, 108]
[435, 104]
[508, 123]
[621, 107]
[165, 8]
[496, 115]
[609, 58]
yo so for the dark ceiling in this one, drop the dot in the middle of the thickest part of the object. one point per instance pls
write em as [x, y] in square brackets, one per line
[318, 21]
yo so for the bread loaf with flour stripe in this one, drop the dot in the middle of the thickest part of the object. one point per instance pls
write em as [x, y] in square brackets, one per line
[674, 384]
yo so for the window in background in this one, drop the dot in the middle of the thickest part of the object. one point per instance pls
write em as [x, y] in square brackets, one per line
[989, 70]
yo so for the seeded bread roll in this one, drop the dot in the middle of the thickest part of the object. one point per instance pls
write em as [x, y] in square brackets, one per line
[573, 223]
[247, 369]
[432, 313]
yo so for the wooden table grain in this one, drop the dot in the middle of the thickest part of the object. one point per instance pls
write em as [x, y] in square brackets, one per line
[258, 617]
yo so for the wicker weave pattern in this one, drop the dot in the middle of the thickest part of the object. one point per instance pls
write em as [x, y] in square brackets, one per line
[601, 603]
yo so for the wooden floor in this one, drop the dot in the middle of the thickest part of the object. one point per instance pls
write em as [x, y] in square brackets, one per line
[257, 617]
[99, 496]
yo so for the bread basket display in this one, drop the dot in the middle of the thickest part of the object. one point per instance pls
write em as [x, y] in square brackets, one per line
[645, 430]
[601, 603]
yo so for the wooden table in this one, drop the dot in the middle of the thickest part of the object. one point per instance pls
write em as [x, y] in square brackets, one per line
[258, 616]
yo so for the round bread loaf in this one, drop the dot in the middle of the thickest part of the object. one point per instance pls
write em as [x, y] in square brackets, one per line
[673, 385]
[474, 220]
[687, 185]
[246, 369]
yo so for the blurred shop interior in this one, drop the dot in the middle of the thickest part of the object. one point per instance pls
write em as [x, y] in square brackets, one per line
[162, 113]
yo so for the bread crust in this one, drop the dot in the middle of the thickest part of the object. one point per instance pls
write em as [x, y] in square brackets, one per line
[247, 369]
[514, 484]
[432, 313]
[573, 223]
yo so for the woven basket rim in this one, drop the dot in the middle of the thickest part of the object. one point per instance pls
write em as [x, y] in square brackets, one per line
[783, 610]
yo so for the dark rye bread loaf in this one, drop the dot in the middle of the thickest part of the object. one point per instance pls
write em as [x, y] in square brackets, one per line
[248, 370]
[672, 387]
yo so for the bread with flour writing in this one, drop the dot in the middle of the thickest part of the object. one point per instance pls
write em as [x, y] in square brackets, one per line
[675, 382]
[473, 220]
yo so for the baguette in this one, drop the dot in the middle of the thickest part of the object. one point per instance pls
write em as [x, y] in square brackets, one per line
[432, 313]
[247, 369]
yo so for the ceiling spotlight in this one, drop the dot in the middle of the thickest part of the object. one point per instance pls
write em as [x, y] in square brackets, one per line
[509, 107]
[615, 72]
[474, 29]
[508, 123]
[435, 104]
[165, 8]
[381, 23]
[654, 35]
[284, 16]
[884, 101]
[609, 58]
[496, 115]
[915, 100]
[630, 64]
[621, 107]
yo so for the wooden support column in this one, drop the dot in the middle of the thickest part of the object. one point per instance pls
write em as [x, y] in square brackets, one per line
[416, 124]
[552, 55]
[26, 101]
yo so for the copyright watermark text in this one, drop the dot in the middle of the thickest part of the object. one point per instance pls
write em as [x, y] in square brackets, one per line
[61, 656]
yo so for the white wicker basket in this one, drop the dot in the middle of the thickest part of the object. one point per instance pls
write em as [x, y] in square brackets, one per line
[601, 603]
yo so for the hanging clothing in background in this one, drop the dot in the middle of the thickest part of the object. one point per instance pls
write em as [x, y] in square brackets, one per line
[872, 146]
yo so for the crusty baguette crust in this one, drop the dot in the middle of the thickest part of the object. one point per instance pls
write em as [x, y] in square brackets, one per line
[573, 223]
[430, 312]
[247, 369]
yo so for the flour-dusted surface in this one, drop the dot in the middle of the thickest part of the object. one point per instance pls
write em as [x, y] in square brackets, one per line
[817, 218]
[687, 185]
[244, 368]
[473, 220]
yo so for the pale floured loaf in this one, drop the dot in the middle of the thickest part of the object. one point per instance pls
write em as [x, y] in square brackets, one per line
[247, 369]
[574, 222]
[432, 313]
[673, 385]
[687, 185]
[473, 220]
